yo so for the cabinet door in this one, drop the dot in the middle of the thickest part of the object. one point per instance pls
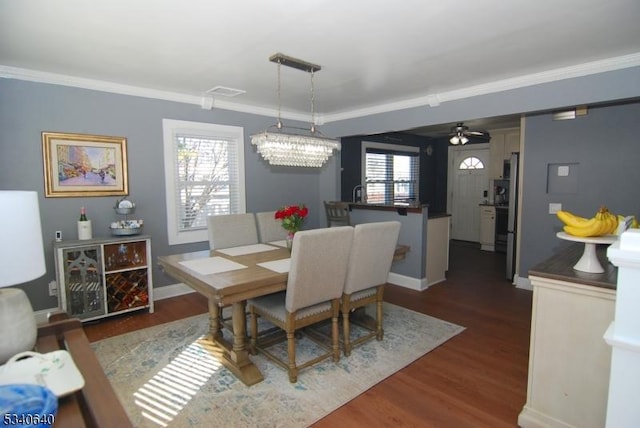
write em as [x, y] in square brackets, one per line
[511, 144]
[83, 288]
[496, 155]
[487, 225]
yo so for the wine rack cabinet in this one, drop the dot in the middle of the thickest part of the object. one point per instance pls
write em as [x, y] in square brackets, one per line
[101, 277]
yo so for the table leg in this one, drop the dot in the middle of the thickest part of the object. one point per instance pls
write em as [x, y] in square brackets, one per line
[234, 356]
[214, 320]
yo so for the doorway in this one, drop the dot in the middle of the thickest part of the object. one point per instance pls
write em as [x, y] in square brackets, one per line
[468, 180]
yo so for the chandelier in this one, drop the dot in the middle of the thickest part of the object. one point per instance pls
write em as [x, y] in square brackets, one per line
[293, 146]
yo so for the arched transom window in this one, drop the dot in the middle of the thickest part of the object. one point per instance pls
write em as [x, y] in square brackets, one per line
[471, 162]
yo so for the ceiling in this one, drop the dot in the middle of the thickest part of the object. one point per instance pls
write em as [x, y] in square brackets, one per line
[375, 55]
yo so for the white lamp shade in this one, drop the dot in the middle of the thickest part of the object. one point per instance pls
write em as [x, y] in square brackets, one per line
[22, 254]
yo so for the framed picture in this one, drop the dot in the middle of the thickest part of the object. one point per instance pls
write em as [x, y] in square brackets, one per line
[84, 165]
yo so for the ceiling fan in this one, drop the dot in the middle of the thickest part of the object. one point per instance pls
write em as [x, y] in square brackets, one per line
[460, 134]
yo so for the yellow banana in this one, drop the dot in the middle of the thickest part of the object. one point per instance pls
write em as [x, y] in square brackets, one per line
[600, 224]
[571, 219]
[611, 221]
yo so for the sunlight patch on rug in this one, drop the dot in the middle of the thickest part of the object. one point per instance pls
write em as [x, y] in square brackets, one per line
[166, 377]
[162, 398]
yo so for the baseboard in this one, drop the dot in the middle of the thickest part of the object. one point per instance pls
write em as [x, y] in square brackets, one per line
[172, 290]
[531, 418]
[524, 283]
[408, 281]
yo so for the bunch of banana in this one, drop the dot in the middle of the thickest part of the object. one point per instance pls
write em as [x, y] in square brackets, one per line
[603, 223]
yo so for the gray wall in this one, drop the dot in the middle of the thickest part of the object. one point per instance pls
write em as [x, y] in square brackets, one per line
[27, 109]
[604, 148]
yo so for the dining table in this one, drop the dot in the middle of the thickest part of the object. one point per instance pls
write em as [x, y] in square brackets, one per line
[230, 277]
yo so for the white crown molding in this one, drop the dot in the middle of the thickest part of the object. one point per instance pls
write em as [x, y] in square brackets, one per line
[580, 70]
[432, 100]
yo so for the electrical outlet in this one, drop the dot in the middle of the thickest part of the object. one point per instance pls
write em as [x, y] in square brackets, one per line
[554, 208]
[53, 288]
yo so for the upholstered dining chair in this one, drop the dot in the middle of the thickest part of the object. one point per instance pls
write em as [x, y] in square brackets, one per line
[370, 260]
[269, 228]
[316, 279]
[337, 213]
[232, 230]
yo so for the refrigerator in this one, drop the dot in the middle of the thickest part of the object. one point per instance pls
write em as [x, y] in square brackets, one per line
[512, 221]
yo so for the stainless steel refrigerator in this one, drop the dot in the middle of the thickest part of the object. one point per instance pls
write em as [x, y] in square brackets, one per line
[512, 221]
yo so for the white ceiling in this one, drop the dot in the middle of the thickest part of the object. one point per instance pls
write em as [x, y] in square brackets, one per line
[376, 55]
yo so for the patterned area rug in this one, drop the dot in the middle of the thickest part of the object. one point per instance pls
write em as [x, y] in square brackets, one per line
[165, 377]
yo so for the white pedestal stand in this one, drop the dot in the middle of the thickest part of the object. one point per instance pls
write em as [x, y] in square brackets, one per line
[589, 261]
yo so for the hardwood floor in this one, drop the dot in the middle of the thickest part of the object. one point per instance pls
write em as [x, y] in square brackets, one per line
[476, 379]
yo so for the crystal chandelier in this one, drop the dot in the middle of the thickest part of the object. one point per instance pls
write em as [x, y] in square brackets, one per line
[292, 146]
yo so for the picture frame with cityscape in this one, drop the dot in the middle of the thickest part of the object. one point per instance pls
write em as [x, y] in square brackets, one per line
[77, 165]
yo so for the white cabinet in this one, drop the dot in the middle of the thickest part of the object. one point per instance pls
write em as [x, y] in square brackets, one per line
[487, 227]
[503, 143]
[569, 361]
[103, 277]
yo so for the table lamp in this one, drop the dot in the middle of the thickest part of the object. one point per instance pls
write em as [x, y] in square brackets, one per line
[21, 260]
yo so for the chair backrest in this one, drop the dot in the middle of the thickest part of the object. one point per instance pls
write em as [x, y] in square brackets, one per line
[337, 213]
[232, 230]
[371, 255]
[318, 269]
[269, 228]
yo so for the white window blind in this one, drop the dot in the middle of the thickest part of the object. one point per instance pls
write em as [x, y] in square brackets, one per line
[391, 175]
[204, 166]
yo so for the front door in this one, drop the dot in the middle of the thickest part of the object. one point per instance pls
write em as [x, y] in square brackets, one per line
[468, 182]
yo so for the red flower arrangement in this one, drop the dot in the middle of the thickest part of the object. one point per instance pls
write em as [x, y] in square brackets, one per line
[292, 217]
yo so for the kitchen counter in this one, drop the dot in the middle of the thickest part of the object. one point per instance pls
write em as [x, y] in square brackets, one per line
[400, 208]
[560, 267]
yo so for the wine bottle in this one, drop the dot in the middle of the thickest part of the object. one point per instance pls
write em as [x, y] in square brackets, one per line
[84, 225]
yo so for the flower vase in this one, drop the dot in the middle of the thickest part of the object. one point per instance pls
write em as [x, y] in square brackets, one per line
[289, 240]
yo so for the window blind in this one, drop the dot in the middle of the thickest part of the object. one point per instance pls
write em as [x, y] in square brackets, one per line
[391, 176]
[206, 179]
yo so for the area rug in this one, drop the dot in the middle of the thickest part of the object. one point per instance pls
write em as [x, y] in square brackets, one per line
[165, 377]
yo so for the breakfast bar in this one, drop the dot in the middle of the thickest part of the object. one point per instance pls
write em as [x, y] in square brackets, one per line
[426, 233]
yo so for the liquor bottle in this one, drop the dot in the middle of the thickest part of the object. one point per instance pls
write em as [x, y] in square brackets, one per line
[84, 226]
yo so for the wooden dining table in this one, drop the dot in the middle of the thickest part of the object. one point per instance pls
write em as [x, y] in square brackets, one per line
[204, 271]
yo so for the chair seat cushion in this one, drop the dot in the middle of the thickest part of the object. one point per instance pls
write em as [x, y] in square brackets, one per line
[363, 294]
[272, 305]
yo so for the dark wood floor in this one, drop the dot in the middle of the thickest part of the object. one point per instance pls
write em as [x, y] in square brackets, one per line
[476, 379]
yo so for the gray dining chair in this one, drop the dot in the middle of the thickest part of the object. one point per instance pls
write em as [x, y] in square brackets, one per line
[372, 252]
[316, 279]
[232, 230]
[269, 228]
[226, 231]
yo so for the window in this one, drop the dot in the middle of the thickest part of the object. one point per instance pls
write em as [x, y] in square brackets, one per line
[391, 173]
[204, 175]
[471, 162]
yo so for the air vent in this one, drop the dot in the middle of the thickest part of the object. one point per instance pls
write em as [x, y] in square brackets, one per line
[224, 91]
